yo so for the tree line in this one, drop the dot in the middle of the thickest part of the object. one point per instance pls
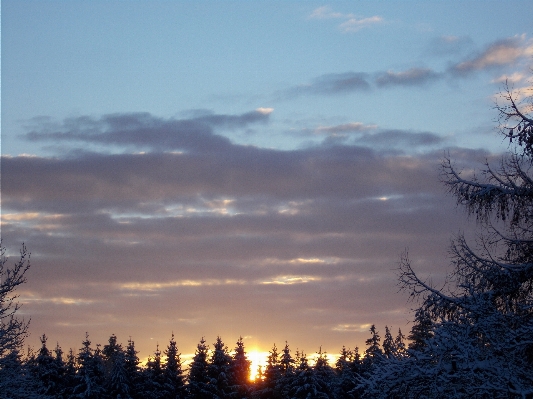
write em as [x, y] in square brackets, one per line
[473, 338]
[114, 371]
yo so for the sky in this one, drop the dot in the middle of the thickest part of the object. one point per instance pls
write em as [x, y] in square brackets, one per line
[242, 168]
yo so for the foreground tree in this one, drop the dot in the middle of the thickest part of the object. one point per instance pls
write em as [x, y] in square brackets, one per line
[12, 329]
[474, 338]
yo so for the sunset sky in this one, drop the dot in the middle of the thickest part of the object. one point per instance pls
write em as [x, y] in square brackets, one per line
[242, 168]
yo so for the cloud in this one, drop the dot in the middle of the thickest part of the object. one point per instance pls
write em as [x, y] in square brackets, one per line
[145, 130]
[351, 23]
[344, 128]
[410, 77]
[290, 232]
[500, 53]
[394, 139]
[355, 24]
[325, 12]
[331, 84]
[516, 77]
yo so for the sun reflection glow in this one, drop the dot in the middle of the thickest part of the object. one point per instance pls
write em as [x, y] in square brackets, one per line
[258, 359]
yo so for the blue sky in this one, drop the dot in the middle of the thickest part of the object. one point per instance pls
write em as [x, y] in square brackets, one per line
[224, 153]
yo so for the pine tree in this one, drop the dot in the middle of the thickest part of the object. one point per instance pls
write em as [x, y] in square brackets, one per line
[198, 379]
[286, 372]
[46, 370]
[345, 378]
[373, 352]
[118, 385]
[389, 347]
[173, 384]
[69, 377]
[271, 385]
[219, 370]
[240, 372]
[399, 343]
[421, 332]
[324, 374]
[16, 382]
[472, 338]
[305, 383]
[109, 352]
[132, 369]
[153, 376]
[89, 379]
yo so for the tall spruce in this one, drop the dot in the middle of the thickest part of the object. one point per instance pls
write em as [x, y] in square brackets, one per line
[240, 372]
[173, 384]
[198, 378]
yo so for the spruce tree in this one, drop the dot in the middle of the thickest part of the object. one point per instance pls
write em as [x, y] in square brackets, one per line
[240, 372]
[218, 370]
[198, 378]
[132, 369]
[271, 384]
[46, 370]
[373, 352]
[173, 384]
[89, 379]
[345, 378]
[152, 386]
[389, 347]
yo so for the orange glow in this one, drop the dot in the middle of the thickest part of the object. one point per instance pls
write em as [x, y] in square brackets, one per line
[258, 359]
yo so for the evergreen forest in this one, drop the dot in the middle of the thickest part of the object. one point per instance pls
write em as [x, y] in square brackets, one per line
[471, 339]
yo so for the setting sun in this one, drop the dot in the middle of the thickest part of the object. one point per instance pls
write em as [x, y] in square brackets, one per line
[258, 359]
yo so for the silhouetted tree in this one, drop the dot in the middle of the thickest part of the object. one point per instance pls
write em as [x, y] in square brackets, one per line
[173, 384]
[90, 376]
[12, 329]
[240, 372]
[198, 378]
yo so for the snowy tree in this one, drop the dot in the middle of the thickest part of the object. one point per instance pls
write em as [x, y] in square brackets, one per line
[345, 379]
[89, 379]
[48, 369]
[475, 334]
[198, 379]
[12, 329]
[373, 352]
[132, 369]
[389, 348]
[286, 371]
[219, 370]
[118, 384]
[399, 344]
[305, 384]
[16, 382]
[324, 374]
[270, 387]
[173, 384]
[153, 379]
[240, 372]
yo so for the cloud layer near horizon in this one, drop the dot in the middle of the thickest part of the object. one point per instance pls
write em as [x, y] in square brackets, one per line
[189, 218]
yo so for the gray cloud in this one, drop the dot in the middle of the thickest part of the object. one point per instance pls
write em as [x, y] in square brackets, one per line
[401, 139]
[500, 53]
[331, 84]
[298, 241]
[146, 131]
[410, 77]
